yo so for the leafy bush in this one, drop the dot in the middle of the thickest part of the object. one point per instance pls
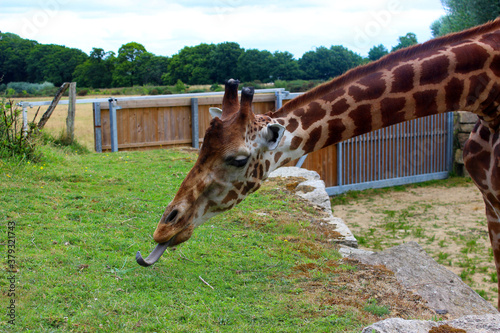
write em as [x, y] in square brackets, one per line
[14, 142]
[31, 88]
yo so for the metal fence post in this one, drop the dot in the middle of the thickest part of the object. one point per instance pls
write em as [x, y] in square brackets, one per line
[195, 131]
[112, 124]
[279, 100]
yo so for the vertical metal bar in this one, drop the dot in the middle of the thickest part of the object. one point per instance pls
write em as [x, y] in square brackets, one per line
[357, 159]
[432, 141]
[301, 161]
[340, 147]
[449, 145]
[279, 100]
[112, 124]
[195, 133]
[415, 151]
[97, 127]
[379, 153]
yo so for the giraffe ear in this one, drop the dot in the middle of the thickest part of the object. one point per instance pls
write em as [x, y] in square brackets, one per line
[274, 135]
[215, 112]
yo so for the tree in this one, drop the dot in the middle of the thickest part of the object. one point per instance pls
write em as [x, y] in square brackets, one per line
[377, 52]
[53, 63]
[149, 69]
[405, 41]
[255, 65]
[224, 61]
[191, 65]
[14, 51]
[97, 70]
[327, 63]
[126, 62]
[284, 66]
[463, 14]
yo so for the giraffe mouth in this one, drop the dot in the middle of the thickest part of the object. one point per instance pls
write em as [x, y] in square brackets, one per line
[155, 254]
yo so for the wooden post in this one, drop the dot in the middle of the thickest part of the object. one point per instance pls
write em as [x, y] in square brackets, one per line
[70, 120]
[53, 105]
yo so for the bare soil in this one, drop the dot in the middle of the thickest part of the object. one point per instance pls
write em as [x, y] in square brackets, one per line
[448, 221]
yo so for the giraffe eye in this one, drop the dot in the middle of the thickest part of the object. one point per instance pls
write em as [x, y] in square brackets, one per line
[238, 161]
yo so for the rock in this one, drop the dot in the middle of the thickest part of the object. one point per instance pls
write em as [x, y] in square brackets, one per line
[346, 251]
[488, 323]
[467, 117]
[313, 190]
[417, 271]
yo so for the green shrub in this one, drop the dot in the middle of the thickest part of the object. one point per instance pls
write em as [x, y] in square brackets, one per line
[14, 142]
[26, 88]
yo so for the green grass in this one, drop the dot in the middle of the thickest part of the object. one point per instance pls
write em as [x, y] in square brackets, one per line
[78, 221]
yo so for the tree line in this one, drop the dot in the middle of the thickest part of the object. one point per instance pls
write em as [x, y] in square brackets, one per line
[28, 61]
[23, 60]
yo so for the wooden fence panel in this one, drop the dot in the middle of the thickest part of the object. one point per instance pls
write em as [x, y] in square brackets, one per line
[408, 150]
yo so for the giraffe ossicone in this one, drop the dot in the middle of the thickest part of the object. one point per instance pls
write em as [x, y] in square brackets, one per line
[457, 72]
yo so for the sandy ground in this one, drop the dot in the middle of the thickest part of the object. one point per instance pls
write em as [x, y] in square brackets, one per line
[449, 223]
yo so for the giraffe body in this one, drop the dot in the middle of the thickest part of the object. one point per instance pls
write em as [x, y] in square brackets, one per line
[459, 72]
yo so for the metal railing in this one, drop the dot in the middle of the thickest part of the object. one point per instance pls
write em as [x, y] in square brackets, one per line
[410, 152]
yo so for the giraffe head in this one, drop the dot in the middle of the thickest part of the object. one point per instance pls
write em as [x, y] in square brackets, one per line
[235, 157]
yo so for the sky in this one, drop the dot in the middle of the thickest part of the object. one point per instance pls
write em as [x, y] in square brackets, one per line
[164, 27]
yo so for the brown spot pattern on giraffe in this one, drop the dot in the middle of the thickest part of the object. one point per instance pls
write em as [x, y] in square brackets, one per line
[292, 125]
[362, 119]
[425, 102]
[340, 107]
[335, 129]
[470, 58]
[495, 65]
[231, 196]
[314, 137]
[314, 114]
[477, 86]
[391, 108]
[277, 157]
[453, 92]
[296, 141]
[434, 71]
[375, 87]
[403, 79]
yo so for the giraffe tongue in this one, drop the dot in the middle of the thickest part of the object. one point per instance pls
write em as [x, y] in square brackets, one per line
[154, 255]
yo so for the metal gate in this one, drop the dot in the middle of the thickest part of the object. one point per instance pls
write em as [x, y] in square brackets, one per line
[409, 152]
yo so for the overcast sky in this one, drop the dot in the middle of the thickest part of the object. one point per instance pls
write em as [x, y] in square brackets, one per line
[164, 27]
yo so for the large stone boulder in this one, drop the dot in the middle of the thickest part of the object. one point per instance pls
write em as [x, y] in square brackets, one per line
[469, 324]
[444, 291]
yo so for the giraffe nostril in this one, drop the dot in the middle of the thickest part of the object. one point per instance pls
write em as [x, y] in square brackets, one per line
[171, 217]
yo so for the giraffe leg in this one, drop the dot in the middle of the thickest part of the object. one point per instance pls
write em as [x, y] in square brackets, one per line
[494, 231]
[482, 160]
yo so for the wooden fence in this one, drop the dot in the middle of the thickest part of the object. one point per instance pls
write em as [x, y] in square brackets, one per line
[408, 152]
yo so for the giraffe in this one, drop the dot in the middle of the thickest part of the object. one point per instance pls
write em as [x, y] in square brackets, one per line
[460, 71]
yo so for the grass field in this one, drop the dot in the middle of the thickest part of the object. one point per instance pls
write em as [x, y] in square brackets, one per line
[73, 223]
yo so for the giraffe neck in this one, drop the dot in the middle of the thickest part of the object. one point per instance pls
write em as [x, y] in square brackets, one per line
[458, 72]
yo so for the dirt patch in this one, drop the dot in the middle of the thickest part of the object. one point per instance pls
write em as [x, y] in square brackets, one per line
[371, 293]
[448, 222]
